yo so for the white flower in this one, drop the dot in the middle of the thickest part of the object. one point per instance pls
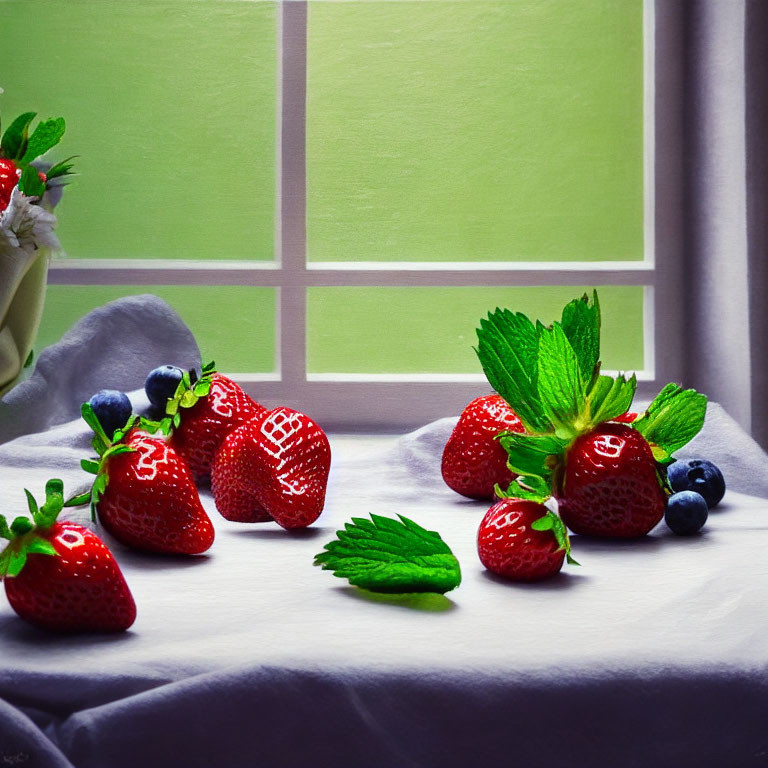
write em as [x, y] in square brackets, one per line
[26, 225]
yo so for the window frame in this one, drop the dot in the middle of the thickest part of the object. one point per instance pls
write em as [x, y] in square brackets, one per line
[398, 401]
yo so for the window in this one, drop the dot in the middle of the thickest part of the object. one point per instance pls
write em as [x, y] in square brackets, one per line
[356, 182]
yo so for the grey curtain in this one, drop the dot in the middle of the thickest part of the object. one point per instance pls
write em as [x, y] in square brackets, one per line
[723, 277]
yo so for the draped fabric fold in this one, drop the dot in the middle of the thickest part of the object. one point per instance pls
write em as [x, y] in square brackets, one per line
[724, 102]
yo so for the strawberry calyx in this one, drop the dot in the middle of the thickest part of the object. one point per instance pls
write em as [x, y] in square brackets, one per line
[105, 448]
[27, 536]
[190, 389]
[550, 376]
[552, 522]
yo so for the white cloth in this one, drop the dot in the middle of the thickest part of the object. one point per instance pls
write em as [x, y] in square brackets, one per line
[653, 653]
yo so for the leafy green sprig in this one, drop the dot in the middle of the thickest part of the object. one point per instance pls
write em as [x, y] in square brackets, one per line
[189, 390]
[550, 376]
[105, 448]
[23, 148]
[387, 555]
[25, 536]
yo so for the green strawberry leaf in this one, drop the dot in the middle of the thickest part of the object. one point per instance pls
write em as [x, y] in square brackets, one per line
[387, 555]
[100, 440]
[31, 503]
[54, 503]
[40, 546]
[532, 454]
[16, 561]
[79, 500]
[30, 183]
[62, 168]
[530, 488]
[552, 522]
[561, 387]
[610, 397]
[581, 325]
[21, 526]
[5, 531]
[673, 419]
[46, 135]
[90, 466]
[14, 141]
[507, 349]
[209, 368]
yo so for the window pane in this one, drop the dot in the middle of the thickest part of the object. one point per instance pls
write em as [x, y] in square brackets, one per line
[432, 330]
[487, 130]
[170, 106]
[233, 325]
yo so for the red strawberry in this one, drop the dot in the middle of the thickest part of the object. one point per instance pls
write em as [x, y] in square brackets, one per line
[273, 467]
[473, 460]
[610, 485]
[144, 493]
[509, 545]
[627, 418]
[60, 576]
[9, 178]
[10, 173]
[208, 409]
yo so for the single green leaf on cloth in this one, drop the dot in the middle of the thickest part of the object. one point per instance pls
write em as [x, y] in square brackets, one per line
[14, 141]
[581, 325]
[46, 135]
[507, 349]
[610, 397]
[673, 419]
[561, 387]
[30, 183]
[394, 556]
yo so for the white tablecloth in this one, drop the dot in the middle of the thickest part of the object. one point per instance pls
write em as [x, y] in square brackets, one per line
[653, 653]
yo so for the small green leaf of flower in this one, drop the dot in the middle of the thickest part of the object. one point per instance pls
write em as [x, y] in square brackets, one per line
[14, 141]
[62, 168]
[395, 556]
[46, 135]
[30, 183]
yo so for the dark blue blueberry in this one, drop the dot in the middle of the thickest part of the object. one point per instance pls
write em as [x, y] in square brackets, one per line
[112, 409]
[698, 475]
[161, 385]
[686, 513]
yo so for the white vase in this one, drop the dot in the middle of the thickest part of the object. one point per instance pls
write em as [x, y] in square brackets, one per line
[23, 279]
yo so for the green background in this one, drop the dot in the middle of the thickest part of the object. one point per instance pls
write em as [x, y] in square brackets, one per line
[432, 330]
[171, 109]
[445, 130]
[490, 130]
[233, 325]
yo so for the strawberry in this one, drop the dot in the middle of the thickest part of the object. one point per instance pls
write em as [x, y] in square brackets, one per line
[59, 575]
[201, 414]
[10, 174]
[610, 486]
[273, 467]
[144, 493]
[608, 476]
[522, 541]
[473, 460]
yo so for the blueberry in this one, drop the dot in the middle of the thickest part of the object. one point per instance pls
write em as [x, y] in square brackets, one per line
[698, 475]
[686, 512]
[112, 409]
[161, 384]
